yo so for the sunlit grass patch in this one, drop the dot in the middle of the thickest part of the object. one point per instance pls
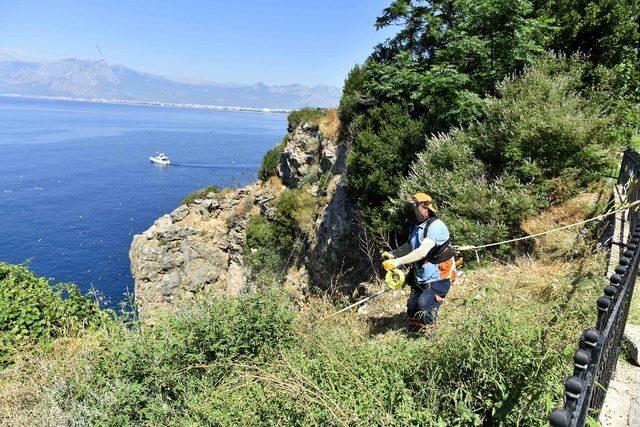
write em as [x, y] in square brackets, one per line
[203, 192]
[330, 124]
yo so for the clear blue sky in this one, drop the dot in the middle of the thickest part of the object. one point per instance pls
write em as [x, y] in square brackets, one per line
[276, 42]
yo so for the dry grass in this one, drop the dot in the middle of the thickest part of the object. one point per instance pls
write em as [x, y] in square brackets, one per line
[525, 283]
[30, 388]
[319, 313]
[227, 191]
[565, 243]
[274, 186]
[330, 124]
[305, 214]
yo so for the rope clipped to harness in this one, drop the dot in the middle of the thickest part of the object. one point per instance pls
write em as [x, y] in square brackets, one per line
[395, 279]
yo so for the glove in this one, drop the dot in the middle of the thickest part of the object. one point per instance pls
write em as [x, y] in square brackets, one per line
[387, 255]
[389, 265]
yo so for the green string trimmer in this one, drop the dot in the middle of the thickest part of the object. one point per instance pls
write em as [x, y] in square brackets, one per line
[395, 279]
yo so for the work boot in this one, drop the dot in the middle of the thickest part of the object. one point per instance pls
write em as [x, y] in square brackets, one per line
[415, 325]
[418, 325]
[416, 322]
[429, 330]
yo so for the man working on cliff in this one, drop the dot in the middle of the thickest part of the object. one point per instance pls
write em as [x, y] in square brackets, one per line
[432, 256]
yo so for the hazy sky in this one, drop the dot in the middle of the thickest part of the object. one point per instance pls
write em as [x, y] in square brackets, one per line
[276, 42]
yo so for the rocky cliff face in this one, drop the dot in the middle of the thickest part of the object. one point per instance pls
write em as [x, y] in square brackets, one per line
[196, 247]
[336, 260]
[306, 155]
[199, 247]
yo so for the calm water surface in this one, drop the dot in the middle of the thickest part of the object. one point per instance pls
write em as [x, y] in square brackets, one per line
[76, 183]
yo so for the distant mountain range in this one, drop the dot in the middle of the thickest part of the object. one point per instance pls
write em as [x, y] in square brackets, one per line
[76, 78]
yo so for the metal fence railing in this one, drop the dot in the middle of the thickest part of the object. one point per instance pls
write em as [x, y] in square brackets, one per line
[599, 347]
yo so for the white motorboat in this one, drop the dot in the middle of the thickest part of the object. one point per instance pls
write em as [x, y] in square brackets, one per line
[160, 159]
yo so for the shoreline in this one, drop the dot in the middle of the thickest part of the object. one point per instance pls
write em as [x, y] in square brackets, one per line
[150, 103]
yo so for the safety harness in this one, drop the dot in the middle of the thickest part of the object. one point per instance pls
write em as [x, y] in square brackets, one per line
[436, 255]
[439, 253]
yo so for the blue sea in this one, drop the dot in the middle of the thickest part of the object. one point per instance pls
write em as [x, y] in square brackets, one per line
[76, 183]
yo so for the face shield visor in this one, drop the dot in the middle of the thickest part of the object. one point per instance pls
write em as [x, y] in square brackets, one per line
[412, 213]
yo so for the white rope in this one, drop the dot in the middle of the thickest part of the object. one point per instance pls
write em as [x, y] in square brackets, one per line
[531, 236]
[362, 301]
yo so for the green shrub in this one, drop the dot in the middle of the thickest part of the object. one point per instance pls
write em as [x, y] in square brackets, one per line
[381, 154]
[440, 95]
[477, 209]
[494, 367]
[446, 57]
[312, 116]
[351, 101]
[294, 215]
[505, 371]
[147, 376]
[199, 194]
[482, 41]
[271, 246]
[269, 165]
[617, 92]
[311, 177]
[342, 378]
[32, 309]
[542, 128]
[262, 253]
[497, 358]
[539, 143]
[605, 30]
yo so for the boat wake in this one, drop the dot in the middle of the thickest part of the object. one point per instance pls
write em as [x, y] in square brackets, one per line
[198, 165]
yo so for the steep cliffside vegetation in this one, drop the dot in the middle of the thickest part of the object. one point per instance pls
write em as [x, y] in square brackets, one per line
[272, 245]
[477, 71]
[538, 143]
[496, 109]
[500, 354]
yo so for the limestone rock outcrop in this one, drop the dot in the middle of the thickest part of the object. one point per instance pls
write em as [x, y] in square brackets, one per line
[307, 154]
[196, 247]
[336, 259]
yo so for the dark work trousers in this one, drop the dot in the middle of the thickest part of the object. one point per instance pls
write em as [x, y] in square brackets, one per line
[422, 304]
